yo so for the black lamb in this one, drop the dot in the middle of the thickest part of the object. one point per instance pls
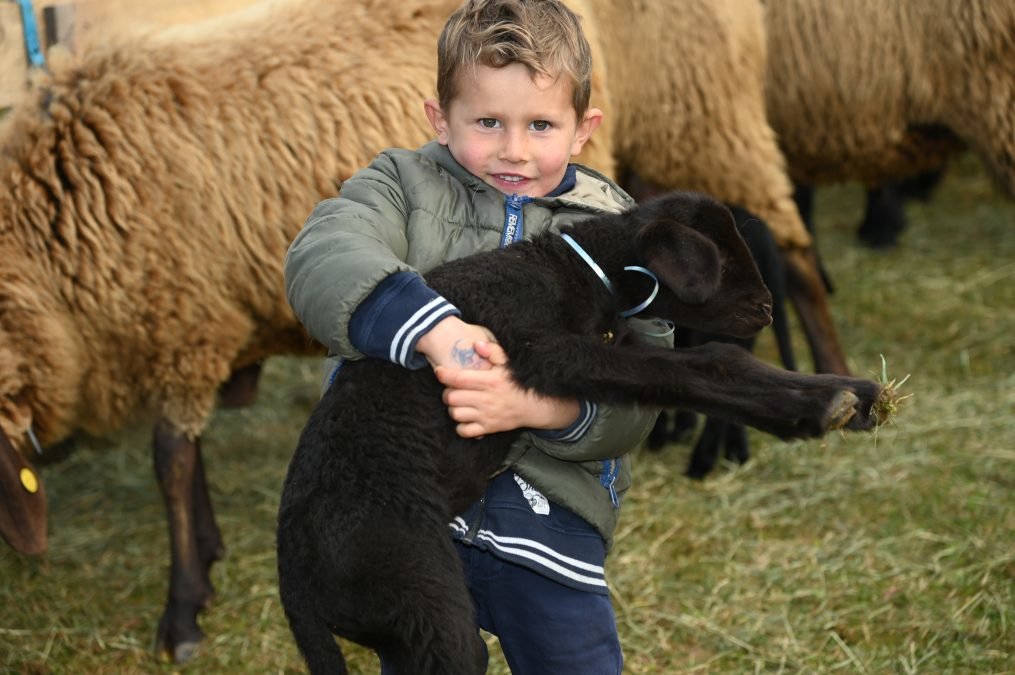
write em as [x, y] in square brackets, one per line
[364, 550]
[720, 437]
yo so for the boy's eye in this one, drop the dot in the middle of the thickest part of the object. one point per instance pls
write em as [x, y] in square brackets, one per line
[488, 123]
[540, 125]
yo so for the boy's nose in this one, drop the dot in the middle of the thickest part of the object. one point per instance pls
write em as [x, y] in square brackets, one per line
[515, 147]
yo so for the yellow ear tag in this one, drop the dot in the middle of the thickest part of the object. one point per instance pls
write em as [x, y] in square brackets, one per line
[29, 481]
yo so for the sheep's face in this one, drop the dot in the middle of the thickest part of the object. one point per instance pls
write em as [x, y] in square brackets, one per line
[22, 502]
[22, 496]
[15, 411]
[709, 280]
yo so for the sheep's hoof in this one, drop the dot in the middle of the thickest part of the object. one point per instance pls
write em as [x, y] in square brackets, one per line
[185, 652]
[842, 410]
[181, 653]
[180, 642]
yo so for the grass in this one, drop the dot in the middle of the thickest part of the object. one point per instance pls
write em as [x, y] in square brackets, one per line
[841, 555]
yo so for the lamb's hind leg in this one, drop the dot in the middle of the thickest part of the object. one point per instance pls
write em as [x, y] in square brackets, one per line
[436, 631]
[402, 594]
[180, 473]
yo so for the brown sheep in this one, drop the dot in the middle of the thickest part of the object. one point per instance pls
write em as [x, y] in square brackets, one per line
[686, 110]
[150, 190]
[875, 91]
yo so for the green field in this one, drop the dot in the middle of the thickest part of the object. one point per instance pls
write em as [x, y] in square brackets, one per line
[854, 554]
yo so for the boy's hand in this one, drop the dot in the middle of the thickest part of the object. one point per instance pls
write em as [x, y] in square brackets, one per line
[451, 343]
[489, 400]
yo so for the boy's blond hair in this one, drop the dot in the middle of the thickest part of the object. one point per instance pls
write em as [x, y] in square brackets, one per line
[543, 35]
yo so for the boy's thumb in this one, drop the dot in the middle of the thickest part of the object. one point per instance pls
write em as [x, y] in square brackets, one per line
[492, 352]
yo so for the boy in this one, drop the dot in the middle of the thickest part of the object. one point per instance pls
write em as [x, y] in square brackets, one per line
[512, 109]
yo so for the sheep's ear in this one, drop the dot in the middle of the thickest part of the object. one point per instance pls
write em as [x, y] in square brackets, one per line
[685, 261]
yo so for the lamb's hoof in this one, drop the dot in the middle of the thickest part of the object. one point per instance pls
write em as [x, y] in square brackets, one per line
[841, 411]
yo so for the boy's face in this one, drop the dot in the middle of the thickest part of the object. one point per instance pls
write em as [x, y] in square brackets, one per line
[515, 133]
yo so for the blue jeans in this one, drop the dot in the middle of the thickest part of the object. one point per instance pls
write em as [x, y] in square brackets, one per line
[544, 628]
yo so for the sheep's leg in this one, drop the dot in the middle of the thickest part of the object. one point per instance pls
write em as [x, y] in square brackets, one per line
[716, 379]
[737, 446]
[705, 454]
[209, 537]
[240, 390]
[177, 464]
[684, 424]
[660, 434]
[807, 291]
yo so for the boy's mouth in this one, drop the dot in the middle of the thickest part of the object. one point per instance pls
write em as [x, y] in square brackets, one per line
[510, 179]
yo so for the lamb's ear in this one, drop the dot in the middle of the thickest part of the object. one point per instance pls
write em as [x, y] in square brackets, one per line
[685, 261]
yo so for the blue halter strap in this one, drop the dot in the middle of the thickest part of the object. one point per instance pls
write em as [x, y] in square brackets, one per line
[599, 273]
[31, 33]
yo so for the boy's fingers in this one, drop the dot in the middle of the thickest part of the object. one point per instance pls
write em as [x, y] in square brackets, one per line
[466, 379]
[470, 430]
[492, 352]
[468, 398]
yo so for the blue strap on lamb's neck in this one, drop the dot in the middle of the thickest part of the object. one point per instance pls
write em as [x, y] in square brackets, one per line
[602, 275]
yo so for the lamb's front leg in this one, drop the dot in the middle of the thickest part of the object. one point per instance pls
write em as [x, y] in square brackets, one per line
[716, 379]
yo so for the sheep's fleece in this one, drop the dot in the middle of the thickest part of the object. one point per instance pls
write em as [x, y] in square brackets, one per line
[876, 91]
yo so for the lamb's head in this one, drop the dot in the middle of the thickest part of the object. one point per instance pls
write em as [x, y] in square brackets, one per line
[708, 277]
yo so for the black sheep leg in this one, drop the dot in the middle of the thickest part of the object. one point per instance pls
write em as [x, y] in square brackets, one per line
[180, 474]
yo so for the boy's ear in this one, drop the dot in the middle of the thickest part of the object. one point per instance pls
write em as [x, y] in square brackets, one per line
[438, 120]
[593, 118]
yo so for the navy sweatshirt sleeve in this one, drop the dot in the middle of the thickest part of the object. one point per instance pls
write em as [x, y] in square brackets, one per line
[396, 314]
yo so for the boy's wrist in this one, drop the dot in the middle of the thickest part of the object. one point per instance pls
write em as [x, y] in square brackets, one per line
[571, 432]
[437, 338]
[555, 414]
[450, 342]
